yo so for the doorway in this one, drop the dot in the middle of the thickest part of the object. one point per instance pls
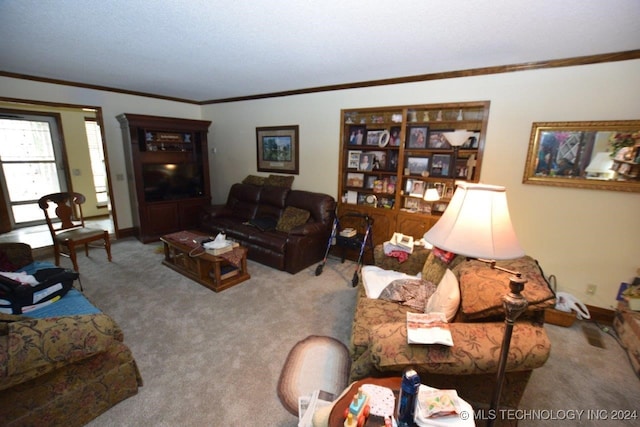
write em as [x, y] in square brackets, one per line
[31, 164]
[70, 170]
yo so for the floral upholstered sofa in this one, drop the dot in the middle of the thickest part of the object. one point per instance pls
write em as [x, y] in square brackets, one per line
[379, 334]
[62, 370]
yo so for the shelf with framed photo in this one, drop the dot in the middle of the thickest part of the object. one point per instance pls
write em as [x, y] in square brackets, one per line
[403, 150]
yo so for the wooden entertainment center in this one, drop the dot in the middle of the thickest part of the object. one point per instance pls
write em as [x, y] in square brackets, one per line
[168, 172]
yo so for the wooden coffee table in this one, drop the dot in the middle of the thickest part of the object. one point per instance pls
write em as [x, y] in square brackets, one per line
[216, 272]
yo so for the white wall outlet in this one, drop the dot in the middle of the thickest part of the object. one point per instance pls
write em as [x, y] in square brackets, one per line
[591, 289]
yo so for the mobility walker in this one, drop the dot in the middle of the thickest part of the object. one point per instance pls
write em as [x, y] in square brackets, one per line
[360, 238]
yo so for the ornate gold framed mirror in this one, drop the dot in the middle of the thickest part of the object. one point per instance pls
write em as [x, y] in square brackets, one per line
[602, 155]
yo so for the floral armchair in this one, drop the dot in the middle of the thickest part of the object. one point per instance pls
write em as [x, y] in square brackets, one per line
[60, 370]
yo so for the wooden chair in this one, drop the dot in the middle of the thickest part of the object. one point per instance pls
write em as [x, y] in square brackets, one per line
[72, 231]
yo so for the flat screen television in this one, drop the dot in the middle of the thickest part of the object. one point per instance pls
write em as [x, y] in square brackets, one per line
[171, 181]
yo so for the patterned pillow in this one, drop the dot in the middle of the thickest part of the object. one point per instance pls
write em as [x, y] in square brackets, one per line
[413, 293]
[254, 179]
[291, 218]
[279, 181]
[482, 287]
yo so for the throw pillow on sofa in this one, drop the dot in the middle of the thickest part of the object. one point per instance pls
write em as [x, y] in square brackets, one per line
[291, 218]
[254, 180]
[482, 287]
[279, 181]
[446, 298]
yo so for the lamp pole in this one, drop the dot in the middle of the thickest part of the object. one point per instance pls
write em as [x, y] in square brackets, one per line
[514, 304]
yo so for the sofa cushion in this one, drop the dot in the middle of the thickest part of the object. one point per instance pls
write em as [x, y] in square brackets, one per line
[243, 201]
[434, 268]
[279, 181]
[291, 218]
[254, 180]
[474, 350]
[482, 287]
[446, 298]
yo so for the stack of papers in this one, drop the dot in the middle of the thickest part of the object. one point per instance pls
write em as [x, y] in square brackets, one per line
[428, 328]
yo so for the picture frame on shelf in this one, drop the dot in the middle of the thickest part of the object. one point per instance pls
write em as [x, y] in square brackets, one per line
[365, 162]
[417, 188]
[441, 188]
[379, 159]
[356, 135]
[411, 203]
[355, 180]
[408, 186]
[394, 136]
[472, 142]
[392, 160]
[448, 194]
[438, 141]
[440, 165]
[277, 149]
[417, 165]
[353, 161]
[461, 168]
[417, 137]
[439, 207]
[369, 181]
[378, 137]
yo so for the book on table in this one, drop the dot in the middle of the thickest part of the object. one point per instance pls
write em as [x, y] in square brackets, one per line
[428, 328]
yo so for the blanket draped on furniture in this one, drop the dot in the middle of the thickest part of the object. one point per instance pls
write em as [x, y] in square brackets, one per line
[62, 370]
[379, 345]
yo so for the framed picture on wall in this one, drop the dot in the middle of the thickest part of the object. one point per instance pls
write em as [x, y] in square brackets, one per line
[278, 149]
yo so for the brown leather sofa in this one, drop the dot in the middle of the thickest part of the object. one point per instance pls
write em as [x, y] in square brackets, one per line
[272, 223]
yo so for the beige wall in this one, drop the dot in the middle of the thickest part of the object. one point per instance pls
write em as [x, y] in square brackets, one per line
[581, 236]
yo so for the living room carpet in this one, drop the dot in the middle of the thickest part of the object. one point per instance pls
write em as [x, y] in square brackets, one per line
[211, 359]
[315, 363]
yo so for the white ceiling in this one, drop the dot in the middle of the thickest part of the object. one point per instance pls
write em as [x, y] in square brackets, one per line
[204, 50]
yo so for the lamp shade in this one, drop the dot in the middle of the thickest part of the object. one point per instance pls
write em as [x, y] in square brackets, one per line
[477, 224]
[431, 195]
[600, 165]
[458, 137]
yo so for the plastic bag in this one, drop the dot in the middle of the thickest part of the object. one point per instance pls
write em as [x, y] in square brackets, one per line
[567, 302]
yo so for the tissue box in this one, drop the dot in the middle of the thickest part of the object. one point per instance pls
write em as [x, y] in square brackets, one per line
[224, 249]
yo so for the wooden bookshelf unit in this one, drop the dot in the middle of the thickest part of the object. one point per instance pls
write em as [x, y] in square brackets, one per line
[389, 156]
